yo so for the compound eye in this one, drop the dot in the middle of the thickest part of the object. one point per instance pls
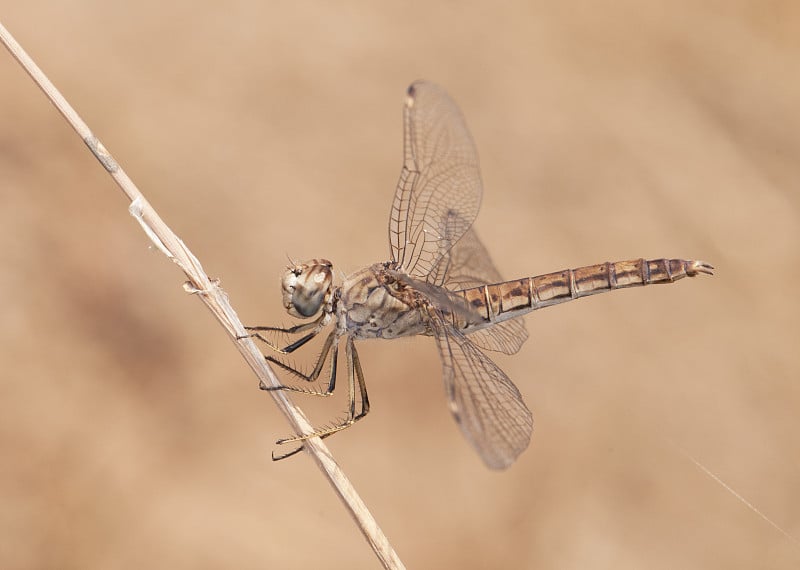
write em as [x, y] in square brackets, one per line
[306, 287]
[307, 301]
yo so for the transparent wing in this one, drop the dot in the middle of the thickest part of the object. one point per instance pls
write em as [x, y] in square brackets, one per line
[469, 265]
[484, 402]
[506, 337]
[439, 192]
[439, 297]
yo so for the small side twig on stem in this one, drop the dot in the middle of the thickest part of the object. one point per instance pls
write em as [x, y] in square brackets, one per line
[217, 301]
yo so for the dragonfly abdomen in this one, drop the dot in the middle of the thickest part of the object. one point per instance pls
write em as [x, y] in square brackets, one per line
[499, 302]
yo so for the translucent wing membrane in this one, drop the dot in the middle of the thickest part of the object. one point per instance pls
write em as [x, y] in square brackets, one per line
[485, 403]
[438, 299]
[437, 200]
[469, 265]
[439, 192]
[506, 337]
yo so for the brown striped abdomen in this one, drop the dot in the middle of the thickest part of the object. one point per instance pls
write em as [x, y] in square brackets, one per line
[498, 302]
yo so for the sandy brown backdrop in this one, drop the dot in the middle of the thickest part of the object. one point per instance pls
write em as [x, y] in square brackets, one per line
[131, 433]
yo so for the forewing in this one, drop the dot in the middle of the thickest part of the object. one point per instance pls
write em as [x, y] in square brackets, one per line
[439, 297]
[484, 402]
[439, 192]
[469, 265]
[436, 202]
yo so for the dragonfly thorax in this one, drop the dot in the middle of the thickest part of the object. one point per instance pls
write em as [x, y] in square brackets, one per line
[306, 287]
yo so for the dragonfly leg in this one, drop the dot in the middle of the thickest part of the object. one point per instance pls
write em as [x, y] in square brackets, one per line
[314, 375]
[355, 376]
[359, 376]
[315, 327]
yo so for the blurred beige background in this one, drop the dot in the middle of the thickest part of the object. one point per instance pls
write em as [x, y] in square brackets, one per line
[131, 433]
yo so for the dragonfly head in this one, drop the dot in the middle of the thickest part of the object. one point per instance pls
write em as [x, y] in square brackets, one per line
[306, 287]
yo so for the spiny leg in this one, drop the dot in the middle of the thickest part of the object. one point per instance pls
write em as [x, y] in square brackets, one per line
[362, 386]
[354, 375]
[311, 377]
[318, 367]
[316, 325]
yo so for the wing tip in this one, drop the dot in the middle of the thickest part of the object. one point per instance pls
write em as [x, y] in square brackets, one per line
[411, 94]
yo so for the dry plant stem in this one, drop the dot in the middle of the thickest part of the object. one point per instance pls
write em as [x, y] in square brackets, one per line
[216, 300]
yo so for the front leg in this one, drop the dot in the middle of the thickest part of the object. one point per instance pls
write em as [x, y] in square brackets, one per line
[315, 325]
[329, 347]
[355, 379]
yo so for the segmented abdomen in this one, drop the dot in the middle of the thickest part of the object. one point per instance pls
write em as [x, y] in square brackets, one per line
[502, 301]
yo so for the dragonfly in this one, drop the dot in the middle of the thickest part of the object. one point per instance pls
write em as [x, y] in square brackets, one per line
[439, 282]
